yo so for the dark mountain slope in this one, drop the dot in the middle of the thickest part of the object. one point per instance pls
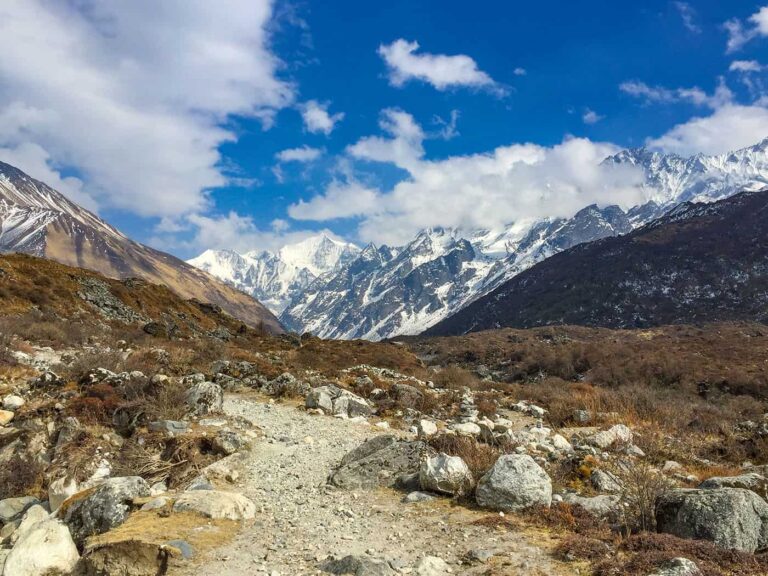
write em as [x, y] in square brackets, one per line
[697, 263]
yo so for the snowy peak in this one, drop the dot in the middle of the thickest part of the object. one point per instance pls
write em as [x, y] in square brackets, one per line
[275, 278]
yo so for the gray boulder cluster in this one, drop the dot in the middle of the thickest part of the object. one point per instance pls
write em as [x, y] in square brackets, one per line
[333, 400]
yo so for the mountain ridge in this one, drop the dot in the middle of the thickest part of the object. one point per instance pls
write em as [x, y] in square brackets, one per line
[35, 219]
[700, 262]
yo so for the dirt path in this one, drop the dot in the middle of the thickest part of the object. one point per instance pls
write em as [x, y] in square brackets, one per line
[302, 520]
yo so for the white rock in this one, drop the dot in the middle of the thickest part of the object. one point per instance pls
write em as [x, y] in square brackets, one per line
[607, 438]
[445, 474]
[426, 428]
[216, 505]
[13, 402]
[59, 490]
[466, 428]
[561, 444]
[31, 517]
[432, 566]
[46, 548]
[515, 482]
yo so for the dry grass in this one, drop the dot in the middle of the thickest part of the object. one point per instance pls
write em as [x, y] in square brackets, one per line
[478, 457]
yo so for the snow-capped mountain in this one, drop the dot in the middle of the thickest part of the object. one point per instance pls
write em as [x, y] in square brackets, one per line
[36, 219]
[275, 278]
[386, 292]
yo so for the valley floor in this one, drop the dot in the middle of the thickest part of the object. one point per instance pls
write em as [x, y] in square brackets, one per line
[301, 520]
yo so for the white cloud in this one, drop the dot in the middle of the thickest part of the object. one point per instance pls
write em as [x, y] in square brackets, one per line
[133, 93]
[688, 14]
[441, 71]
[739, 33]
[317, 119]
[658, 94]
[591, 117]
[510, 183]
[448, 129]
[520, 71]
[301, 154]
[729, 127]
[745, 66]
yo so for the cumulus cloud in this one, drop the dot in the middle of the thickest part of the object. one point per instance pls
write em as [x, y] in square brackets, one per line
[591, 117]
[133, 94]
[730, 127]
[519, 182]
[740, 33]
[441, 71]
[317, 119]
[301, 154]
[688, 15]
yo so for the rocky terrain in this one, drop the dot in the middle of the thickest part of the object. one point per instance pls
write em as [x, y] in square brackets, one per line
[35, 219]
[698, 263]
[209, 448]
[391, 291]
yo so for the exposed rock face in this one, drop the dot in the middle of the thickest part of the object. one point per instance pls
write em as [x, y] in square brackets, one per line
[446, 474]
[678, 567]
[205, 398]
[515, 482]
[13, 508]
[733, 518]
[378, 462]
[216, 505]
[104, 507]
[46, 548]
[750, 481]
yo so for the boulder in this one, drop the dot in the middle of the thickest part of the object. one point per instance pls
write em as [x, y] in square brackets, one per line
[59, 490]
[432, 566]
[286, 385]
[13, 402]
[515, 482]
[319, 398]
[46, 548]
[445, 474]
[31, 517]
[13, 508]
[216, 505]
[466, 428]
[599, 506]
[407, 396]
[334, 400]
[416, 496]
[205, 398]
[677, 567]
[378, 461]
[227, 442]
[104, 507]
[750, 481]
[5, 417]
[359, 566]
[426, 428]
[171, 427]
[614, 435]
[732, 518]
[604, 481]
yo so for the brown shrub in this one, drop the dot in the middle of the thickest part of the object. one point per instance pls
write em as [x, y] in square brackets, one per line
[641, 484]
[455, 378]
[478, 457]
[643, 553]
[20, 477]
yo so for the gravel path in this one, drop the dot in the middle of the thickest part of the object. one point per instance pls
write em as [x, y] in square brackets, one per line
[302, 520]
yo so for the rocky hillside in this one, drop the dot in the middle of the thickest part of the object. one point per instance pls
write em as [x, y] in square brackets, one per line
[404, 290]
[36, 219]
[698, 263]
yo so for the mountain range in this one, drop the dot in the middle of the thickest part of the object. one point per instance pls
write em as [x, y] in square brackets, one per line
[700, 262]
[36, 219]
[381, 292]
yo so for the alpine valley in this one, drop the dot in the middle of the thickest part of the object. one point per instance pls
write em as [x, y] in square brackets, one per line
[334, 289]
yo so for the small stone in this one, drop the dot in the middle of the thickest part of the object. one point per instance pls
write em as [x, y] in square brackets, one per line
[13, 402]
[5, 417]
[432, 566]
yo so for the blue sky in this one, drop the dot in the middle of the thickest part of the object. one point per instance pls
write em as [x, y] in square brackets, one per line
[265, 121]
